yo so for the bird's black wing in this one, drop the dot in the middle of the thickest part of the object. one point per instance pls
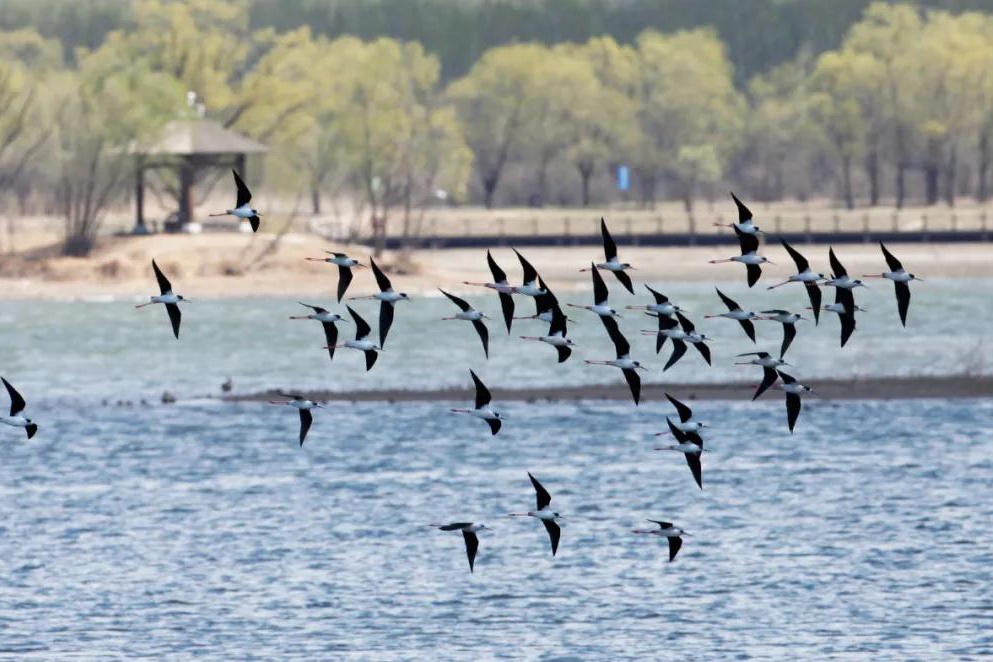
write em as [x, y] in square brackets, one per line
[787, 379]
[678, 349]
[381, 280]
[749, 328]
[461, 303]
[17, 403]
[664, 323]
[748, 243]
[471, 545]
[495, 424]
[455, 526]
[545, 301]
[837, 269]
[674, 545]
[846, 298]
[564, 353]
[483, 396]
[793, 405]
[798, 259]
[634, 383]
[789, 333]
[244, 195]
[362, 328]
[677, 434]
[659, 297]
[385, 321]
[530, 273]
[685, 323]
[344, 280]
[558, 322]
[599, 287]
[610, 324]
[847, 326]
[902, 300]
[744, 213]
[704, 350]
[769, 376]
[316, 309]
[625, 281]
[507, 304]
[254, 221]
[165, 287]
[331, 335]
[662, 525]
[306, 418]
[543, 498]
[484, 336]
[609, 246]
[891, 261]
[499, 276]
[553, 534]
[621, 344]
[175, 317]
[814, 294]
[685, 413]
[753, 273]
[370, 359]
[693, 460]
[31, 429]
[728, 301]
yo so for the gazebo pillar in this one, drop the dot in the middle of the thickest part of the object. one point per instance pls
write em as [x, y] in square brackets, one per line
[139, 197]
[186, 175]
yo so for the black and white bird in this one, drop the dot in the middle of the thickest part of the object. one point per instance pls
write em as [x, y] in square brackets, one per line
[804, 274]
[735, 312]
[668, 531]
[745, 222]
[900, 279]
[544, 304]
[303, 405]
[600, 295]
[556, 335]
[469, 530]
[669, 329]
[242, 206]
[470, 314]
[361, 342]
[749, 243]
[483, 409]
[530, 286]
[839, 275]
[845, 307]
[502, 287]
[662, 305]
[17, 418]
[793, 390]
[544, 513]
[692, 336]
[624, 361]
[167, 297]
[613, 264]
[327, 320]
[788, 320]
[769, 365]
[686, 421]
[345, 265]
[689, 444]
[387, 297]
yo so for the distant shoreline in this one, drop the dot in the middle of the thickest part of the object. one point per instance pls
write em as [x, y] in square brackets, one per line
[883, 388]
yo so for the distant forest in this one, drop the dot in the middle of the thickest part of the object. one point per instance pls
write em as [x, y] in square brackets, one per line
[759, 34]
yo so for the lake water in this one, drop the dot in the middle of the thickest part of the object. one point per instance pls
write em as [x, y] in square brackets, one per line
[202, 529]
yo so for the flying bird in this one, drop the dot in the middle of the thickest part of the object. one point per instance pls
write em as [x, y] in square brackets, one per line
[345, 265]
[242, 206]
[544, 304]
[303, 405]
[544, 513]
[483, 410]
[327, 320]
[613, 264]
[17, 418]
[600, 305]
[662, 305]
[793, 390]
[556, 336]
[769, 369]
[691, 335]
[361, 342]
[669, 329]
[745, 222]
[530, 287]
[788, 320]
[469, 531]
[749, 243]
[166, 297]
[844, 306]
[689, 444]
[686, 422]
[735, 312]
[804, 274]
[387, 299]
[839, 275]
[623, 361]
[900, 279]
[668, 531]
[502, 287]
[470, 314]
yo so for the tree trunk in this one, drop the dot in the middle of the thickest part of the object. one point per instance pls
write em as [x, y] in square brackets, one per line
[901, 184]
[931, 176]
[982, 174]
[950, 174]
[647, 182]
[872, 174]
[585, 173]
[490, 181]
[315, 200]
[846, 182]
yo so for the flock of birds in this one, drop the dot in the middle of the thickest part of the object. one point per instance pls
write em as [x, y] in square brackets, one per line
[673, 325]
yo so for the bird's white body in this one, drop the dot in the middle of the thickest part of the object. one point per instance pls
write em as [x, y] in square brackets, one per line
[603, 310]
[245, 211]
[784, 318]
[900, 276]
[165, 298]
[666, 309]
[696, 338]
[471, 315]
[362, 345]
[558, 340]
[303, 404]
[612, 264]
[390, 296]
[342, 261]
[673, 334]
[688, 426]
[486, 413]
[325, 317]
[765, 362]
[671, 532]
[546, 514]
[844, 282]
[739, 315]
[545, 316]
[686, 447]
[15, 421]
[529, 290]
[796, 388]
[805, 276]
[840, 308]
[748, 227]
[749, 258]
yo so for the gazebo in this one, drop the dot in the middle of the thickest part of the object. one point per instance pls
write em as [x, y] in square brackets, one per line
[186, 146]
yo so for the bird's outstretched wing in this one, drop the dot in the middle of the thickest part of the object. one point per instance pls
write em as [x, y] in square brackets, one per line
[165, 287]
[244, 195]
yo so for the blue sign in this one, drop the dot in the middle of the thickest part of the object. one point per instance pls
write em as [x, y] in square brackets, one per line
[623, 178]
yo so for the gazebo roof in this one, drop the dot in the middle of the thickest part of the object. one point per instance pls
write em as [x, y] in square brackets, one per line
[199, 136]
